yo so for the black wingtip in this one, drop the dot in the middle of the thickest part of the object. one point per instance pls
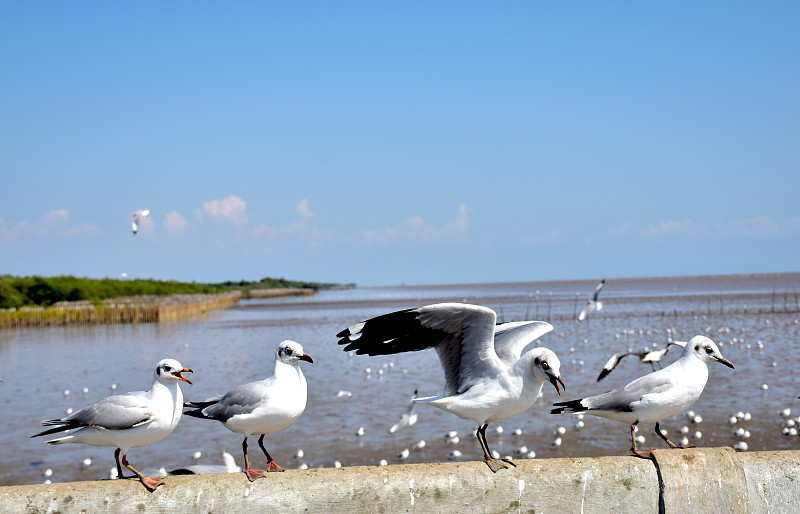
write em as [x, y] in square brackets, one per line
[54, 430]
[603, 374]
[570, 406]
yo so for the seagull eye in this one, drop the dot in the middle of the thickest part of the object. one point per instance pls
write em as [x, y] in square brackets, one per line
[709, 350]
[545, 365]
[167, 368]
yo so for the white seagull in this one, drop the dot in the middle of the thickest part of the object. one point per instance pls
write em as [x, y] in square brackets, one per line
[229, 466]
[593, 303]
[651, 357]
[409, 417]
[656, 396]
[136, 217]
[129, 420]
[486, 376]
[262, 407]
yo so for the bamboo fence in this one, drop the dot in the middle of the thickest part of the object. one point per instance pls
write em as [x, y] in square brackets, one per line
[136, 309]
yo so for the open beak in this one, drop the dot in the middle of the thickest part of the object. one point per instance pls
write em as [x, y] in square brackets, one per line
[555, 381]
[306, 358]
[725, 362]
[178, 375]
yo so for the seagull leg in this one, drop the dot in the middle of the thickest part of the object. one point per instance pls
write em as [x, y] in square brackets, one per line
[150, 483]
[494, 464]
[271, 466]
[252, 474]
[670, 443]
[119, 467]
[645, 454]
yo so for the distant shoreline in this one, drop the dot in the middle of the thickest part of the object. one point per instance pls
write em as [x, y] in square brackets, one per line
[792, 276]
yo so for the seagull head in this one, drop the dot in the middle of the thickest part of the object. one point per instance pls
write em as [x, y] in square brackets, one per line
[291, 352]
[706, 350]
[547, 366]
[169, 371]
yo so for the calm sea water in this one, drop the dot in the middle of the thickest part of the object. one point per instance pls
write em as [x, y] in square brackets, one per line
[755, 320]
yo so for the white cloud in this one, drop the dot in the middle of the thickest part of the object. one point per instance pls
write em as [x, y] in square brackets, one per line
[304, 211]
[756, 227]
[299, 229]
[793, 224]
[230, 209]
[675, 228]
[759, 226]
[174, 223]
[417, 229]
[55, 223]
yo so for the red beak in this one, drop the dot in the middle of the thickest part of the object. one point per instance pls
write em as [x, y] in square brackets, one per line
[181, 377]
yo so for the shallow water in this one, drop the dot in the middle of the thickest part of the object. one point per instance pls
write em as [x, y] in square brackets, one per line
[237, 345]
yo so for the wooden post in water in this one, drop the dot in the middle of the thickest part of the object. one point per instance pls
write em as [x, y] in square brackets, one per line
[575, 307]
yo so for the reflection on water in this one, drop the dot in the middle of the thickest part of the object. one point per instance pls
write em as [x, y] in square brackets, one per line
[753, 318]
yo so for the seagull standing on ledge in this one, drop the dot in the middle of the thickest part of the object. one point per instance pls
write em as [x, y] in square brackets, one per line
[262, 407]
[656, 396]
[593, 303]
[130, 420]
[486, 376]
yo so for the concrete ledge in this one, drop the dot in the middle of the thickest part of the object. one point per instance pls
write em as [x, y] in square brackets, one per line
[705, 480]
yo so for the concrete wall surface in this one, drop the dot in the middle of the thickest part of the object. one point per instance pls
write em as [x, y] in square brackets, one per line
[693, 480]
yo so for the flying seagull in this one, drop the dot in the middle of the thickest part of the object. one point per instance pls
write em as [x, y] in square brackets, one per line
[130, 420]
[651, 357]
[486, 376]
[262, 407]
[409, 417]
[656, 396]
[136, 217]
[229, 466]
[593, 303]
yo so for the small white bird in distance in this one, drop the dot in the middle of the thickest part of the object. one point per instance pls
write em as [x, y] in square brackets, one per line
[651, 357]
[593, 303]
[136, 217]
[408, 418]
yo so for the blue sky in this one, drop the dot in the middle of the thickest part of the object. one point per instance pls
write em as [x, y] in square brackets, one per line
[416, 142]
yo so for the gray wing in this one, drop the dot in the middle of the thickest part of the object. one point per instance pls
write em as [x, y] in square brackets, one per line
[114, 413]
[598, 289]
[622, 398]
[511, 338]
[461, 334]
[614, 361]
[242, 400]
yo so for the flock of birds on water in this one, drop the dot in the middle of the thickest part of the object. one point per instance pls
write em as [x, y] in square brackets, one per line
[487, 378]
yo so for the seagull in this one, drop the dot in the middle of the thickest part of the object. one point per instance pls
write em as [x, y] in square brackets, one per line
[592, 303]
[651, 357]
[262, 407]
[202, 469]
[129, 420]
[655, 396]
[486, 376]
[408, 418]
[136, 217]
